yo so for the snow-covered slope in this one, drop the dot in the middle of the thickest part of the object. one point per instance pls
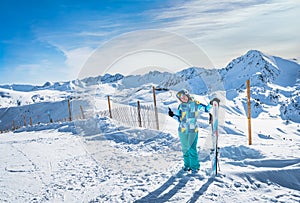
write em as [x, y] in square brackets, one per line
[100, 160]
[51, 163]
[273, 82]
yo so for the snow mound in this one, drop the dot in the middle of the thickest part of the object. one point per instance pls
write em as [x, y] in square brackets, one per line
[129, 139]
[240, 153]
[60, 127]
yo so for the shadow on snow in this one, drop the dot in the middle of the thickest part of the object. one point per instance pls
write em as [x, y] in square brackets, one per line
[156, 196]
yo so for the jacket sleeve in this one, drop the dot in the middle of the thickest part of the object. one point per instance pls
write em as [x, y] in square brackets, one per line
[203, 107]
[178, 113]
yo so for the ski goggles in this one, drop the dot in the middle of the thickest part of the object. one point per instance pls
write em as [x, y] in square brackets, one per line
[182, 93]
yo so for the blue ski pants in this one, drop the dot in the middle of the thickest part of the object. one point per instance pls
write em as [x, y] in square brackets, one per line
[189, 149]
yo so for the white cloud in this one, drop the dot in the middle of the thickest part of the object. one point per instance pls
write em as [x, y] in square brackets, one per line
[226, 29]
[44, 70]
[30, 69]
[31, 73]
[75, 60]
[144, 48]
[222, 29]
[143, 61]
[93, 34]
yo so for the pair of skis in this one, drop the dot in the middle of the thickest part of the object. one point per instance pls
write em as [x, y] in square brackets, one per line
[214, 121]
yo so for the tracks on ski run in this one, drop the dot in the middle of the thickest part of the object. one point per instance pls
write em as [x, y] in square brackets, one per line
[47, 165]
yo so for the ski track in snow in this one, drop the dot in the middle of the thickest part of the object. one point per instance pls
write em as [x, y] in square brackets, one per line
[50, 165]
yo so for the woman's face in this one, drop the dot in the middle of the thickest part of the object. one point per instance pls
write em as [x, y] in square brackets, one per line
[184, 98]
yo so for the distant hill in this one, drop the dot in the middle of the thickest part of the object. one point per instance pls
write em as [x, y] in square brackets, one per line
[274, 84]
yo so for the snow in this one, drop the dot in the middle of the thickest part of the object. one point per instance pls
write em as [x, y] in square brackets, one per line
[134, 164]
[98, 159]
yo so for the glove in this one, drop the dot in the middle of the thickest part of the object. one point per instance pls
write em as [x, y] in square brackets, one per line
[214, 99]
[170, 113]
[210, 118]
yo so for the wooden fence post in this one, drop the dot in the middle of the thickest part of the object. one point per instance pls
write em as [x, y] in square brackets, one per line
[82, 113]
[249, 113]
[155, 108]
[109, 106]
[24, 117]
[13, 125]
[69, 108]
[139, 114]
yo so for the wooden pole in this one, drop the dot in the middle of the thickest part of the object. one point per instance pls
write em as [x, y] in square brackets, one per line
[13, 125]
[139, 114]
[69, 108]
[82, 113]
[30, 121]
[109, 106]
[155, 108]
[24, 120]
[249, 113]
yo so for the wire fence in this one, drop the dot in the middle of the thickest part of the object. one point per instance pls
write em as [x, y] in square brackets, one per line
[13, 118]
[129, 115]
[134, 116]
[145, 116]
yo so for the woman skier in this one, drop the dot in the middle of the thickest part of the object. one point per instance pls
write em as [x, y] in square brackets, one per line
[187, 115]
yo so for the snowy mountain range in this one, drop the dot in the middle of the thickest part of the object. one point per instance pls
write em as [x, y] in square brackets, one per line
[98, 159]
[274, 82]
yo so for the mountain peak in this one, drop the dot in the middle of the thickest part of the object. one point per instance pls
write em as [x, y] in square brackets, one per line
[254, 52]
[254, 65]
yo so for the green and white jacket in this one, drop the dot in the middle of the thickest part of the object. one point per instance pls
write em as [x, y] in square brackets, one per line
[187, 115]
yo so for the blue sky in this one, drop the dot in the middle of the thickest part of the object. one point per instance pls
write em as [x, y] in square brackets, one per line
[49, 40]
